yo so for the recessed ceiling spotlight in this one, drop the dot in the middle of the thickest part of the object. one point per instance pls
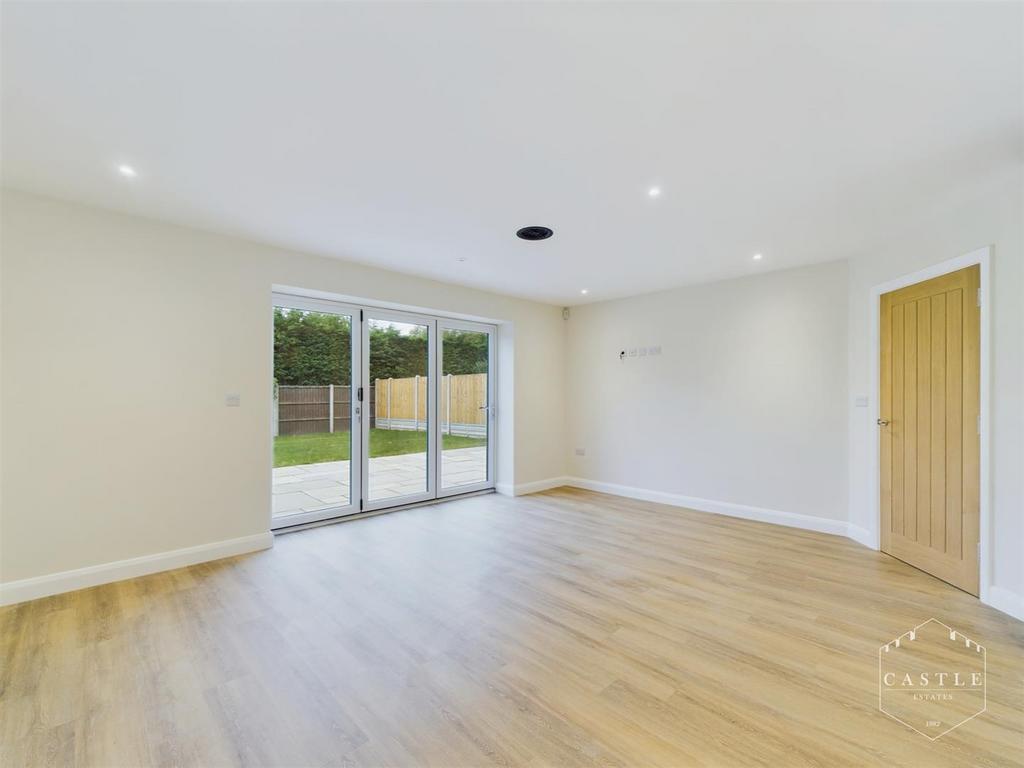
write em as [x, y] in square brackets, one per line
[654, 192]
[758, 256]
[127, 171]
[584, 291]
[534, 233]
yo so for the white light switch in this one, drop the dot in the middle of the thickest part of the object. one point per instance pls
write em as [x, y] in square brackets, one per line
[232, 400]
[861, 401]
[581, 451]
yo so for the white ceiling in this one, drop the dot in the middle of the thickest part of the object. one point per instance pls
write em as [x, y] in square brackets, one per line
[408, 136]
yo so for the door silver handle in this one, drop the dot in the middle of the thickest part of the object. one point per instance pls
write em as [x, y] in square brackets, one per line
[882, 422]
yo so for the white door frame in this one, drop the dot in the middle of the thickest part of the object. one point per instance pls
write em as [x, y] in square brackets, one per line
[982, 257]
[355, 411]
[492, 404]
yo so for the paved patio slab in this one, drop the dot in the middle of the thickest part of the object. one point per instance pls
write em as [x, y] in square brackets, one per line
[314, 487]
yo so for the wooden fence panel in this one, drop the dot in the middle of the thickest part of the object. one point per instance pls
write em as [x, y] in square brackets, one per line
[399, 405]
[342, 408]
[396, 403]
[304, 410]
[469, 392]
[408, 398]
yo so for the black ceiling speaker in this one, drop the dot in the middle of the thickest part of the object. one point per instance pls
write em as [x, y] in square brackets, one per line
[534, 233]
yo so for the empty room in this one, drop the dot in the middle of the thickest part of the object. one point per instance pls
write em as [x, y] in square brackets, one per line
[467, 384]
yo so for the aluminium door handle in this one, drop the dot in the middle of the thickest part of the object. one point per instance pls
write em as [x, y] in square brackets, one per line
[882, 422]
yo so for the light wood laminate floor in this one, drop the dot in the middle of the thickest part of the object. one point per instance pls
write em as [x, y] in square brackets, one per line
[566, 628]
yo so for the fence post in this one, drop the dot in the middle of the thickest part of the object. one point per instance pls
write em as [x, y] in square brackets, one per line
[449, 403]
[416, 403]
[389, 403]
[330, 408]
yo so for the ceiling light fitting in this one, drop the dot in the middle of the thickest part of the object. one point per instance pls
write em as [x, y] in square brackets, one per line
[534, 233]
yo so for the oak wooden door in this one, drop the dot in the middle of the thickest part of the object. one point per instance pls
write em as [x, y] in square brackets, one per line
[929, 406]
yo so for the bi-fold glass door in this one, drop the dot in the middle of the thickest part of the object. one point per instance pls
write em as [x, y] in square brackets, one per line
[376, 408]
[316, 414]
[466, 412]
[400, 354]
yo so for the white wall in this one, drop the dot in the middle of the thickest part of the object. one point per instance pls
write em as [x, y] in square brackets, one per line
[989, 213]
[132, 331]
[744, 406]
[121, 337]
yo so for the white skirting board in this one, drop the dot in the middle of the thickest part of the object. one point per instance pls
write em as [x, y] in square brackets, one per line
[94, 575]
[1006, 601]
[791, 519]
[507, 489]
[861, 536]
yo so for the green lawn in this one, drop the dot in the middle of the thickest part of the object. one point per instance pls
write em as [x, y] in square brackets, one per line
[311, 449]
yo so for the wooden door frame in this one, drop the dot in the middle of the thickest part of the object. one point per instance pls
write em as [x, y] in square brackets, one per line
[983, 258]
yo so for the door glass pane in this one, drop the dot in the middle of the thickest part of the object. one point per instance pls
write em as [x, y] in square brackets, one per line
[312, 415]
[464, 413]
[397, 448]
